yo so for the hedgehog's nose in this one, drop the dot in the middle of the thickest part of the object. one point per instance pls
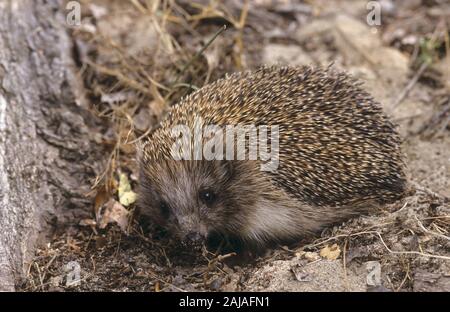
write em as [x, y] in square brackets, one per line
[194, 239]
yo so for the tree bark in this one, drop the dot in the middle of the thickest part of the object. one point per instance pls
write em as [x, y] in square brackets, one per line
[47, 156]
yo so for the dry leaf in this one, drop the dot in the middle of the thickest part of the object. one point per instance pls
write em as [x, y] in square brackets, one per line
[300, 274]
[101, 198]
[87, 222]
[330, 253]
[114, 212]
[311, 256]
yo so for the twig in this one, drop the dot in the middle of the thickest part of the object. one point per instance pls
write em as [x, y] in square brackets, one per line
[409, 252]
[425, 190]
[384, 244]
[141, 137]
[345, 235]
[223, 257]
[163, 281]
[41, 279]
[403, 207]
[419, 72]
[169, 264]
[120, 77]
[436, 119]
[200, 52]
[438, 217]
[186, 85]
[404, 279]
[48, 265]
[238, 40]
[410, 85]
[429, 231]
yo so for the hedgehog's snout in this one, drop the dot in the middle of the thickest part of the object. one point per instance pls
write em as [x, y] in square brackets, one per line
[194, 239]
[191, 231]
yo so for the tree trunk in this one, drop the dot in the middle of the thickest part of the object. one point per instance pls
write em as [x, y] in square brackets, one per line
[47, 156]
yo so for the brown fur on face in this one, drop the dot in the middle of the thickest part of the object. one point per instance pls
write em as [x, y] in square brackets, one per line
[178, 184]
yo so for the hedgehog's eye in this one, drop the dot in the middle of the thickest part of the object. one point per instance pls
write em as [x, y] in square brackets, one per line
[165, 211]
[208, 197]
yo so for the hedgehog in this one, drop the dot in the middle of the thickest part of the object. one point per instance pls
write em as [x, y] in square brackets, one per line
[338, 156]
